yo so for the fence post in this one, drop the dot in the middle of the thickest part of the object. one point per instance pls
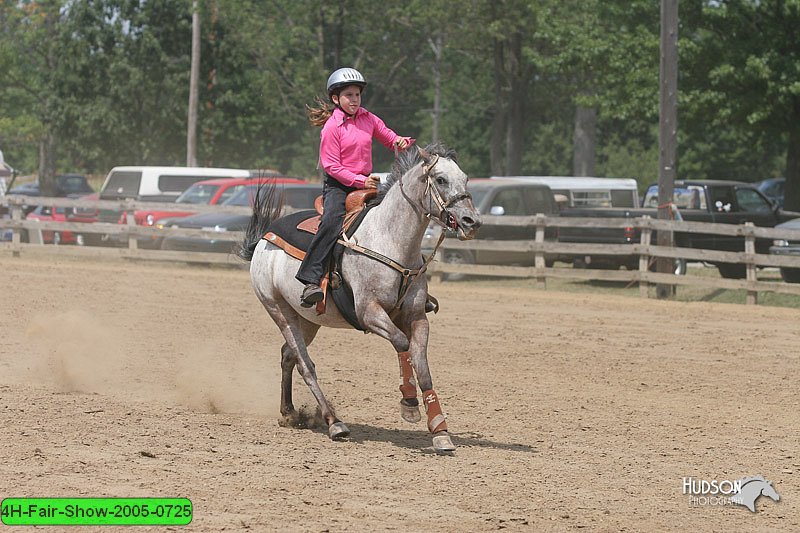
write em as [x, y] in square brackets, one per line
[538, 260]
[133, 244]
[644, 259]
[750, 249]
[16, 214]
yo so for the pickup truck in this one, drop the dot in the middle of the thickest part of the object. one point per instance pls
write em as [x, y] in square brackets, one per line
[500, 198]
[717, 201]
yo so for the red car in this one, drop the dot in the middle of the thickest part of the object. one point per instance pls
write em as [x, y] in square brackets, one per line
[208, 192]
[64, 214]
[52, 214]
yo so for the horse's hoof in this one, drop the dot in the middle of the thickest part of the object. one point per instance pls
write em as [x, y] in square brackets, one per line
[442, 443]
[410, 413]
[338, 430]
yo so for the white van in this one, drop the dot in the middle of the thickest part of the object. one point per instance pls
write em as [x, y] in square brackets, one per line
[159, 184]
[589, 192]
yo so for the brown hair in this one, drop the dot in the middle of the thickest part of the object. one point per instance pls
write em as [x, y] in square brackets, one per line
[319, 113]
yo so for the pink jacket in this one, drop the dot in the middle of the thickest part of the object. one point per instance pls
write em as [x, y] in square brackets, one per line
[345, 149]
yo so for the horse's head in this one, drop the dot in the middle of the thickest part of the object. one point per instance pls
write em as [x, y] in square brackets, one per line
[448, 200]
[768, 490]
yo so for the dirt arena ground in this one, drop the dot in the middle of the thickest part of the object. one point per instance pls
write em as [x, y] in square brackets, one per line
[570, 412]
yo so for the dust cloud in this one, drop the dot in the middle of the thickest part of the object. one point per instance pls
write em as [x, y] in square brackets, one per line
[74, 351]
[213, 378]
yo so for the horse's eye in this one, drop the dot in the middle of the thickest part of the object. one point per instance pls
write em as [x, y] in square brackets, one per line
[440, 181]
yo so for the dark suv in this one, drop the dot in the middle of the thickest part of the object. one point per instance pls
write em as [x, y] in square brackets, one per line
[66, 185]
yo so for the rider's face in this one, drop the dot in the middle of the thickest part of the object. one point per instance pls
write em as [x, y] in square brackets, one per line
[349, 99]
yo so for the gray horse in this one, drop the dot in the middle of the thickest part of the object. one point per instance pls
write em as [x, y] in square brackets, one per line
[389, 298]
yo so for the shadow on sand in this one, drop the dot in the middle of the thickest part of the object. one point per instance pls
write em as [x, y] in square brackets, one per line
[420, 439]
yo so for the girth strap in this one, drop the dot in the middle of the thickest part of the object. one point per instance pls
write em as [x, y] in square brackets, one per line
[408, 275]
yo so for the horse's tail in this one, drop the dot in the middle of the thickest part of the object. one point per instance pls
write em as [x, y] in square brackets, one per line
[267, 206]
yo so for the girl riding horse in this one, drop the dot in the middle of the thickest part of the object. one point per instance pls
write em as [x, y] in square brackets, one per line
[345, 153]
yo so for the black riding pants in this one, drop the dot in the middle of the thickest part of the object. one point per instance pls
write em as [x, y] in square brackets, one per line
[330, 227]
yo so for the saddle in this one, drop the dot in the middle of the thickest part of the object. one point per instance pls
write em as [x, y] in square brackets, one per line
[353, 205]
[295, 232]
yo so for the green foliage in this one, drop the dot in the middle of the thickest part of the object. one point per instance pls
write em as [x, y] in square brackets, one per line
[108, 81]
[635, 158]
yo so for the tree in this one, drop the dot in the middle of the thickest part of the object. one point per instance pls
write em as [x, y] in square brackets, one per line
[30, 49]
[745, 84]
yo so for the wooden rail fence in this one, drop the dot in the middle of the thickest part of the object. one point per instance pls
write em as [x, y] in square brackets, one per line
[537, 247]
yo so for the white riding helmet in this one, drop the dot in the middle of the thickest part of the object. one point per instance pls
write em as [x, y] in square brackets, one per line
[343, 77]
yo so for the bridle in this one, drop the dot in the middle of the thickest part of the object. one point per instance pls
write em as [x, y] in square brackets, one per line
[444, 217]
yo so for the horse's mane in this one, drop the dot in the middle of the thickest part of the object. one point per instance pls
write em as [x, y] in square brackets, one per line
[747, 480]
[406, 160]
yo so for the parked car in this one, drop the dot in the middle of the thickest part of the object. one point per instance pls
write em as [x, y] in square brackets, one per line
[66, 185]
[159, 184]
[500, 197]
[62, 214]
[74, 185]
[788, 247]
[297, 196]
[772, 189]
[208, 192]
[54, 214]
[587, 191]
[153, 184]
[715, 201]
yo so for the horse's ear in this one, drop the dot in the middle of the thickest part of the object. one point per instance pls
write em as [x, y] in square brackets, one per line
[425, 155]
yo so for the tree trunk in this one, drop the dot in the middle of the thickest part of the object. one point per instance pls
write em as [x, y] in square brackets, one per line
[339, 37]
[791, 200]
[47, 165]
[516, 107]
[584, 141]
[194, 83]
[496, 152]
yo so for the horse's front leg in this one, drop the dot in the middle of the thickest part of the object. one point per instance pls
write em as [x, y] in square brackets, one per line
[377, 321]
[416, 343]
[418, 348]
[409, 405]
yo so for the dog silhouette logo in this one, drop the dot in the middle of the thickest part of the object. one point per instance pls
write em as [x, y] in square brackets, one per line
[752, 488]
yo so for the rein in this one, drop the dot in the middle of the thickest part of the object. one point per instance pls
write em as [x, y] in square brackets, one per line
[434, 196]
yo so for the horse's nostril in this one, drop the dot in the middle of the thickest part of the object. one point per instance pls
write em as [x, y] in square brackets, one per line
[469, 222]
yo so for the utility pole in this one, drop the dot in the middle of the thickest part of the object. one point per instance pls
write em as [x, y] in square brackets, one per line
[194, 81]
[667, 133]
[436, 46]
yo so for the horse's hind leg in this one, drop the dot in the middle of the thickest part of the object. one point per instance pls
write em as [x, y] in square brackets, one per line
[288, 362]
[291, 326]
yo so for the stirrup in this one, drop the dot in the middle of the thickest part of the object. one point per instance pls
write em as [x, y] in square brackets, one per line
[431, 305]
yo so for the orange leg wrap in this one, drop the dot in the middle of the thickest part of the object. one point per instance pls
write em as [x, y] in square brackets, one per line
[408, 386]
[436, 420]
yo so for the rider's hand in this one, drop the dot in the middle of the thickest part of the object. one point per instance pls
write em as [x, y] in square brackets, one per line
[401, 143]
[372, 182]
